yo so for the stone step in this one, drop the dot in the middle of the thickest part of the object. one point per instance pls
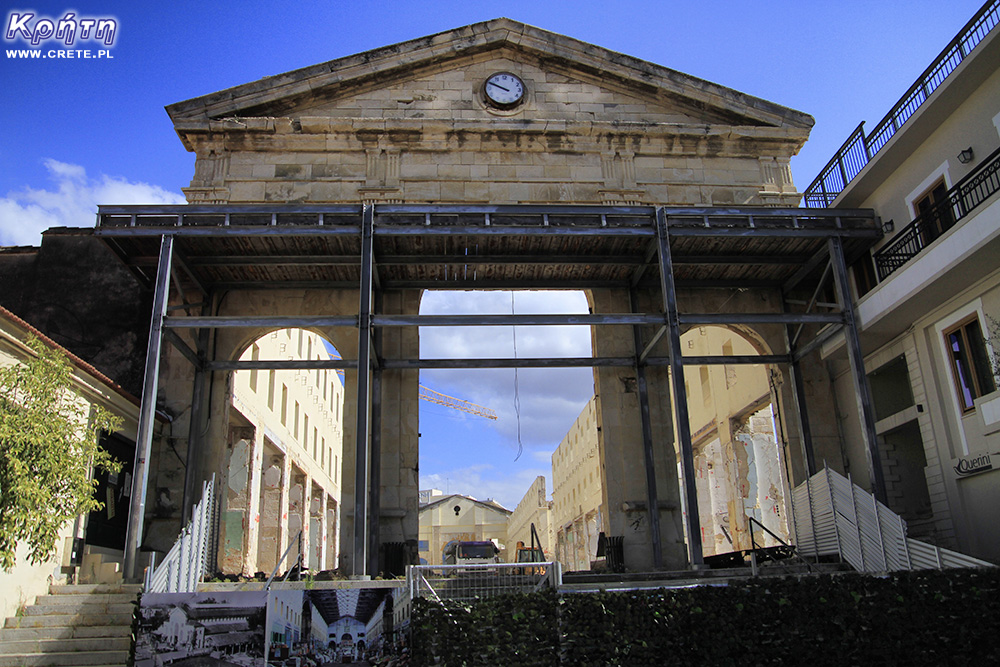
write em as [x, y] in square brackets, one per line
[86, 645]
[65, 659]
[86, 589]
[64, 632]
[64, 620]
[84, 598]
[44, 608]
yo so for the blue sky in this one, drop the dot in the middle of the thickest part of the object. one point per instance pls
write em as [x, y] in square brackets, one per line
[81, 132]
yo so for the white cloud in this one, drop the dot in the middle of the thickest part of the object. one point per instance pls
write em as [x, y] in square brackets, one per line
[72, 202]
[550, 398]
[483, 483]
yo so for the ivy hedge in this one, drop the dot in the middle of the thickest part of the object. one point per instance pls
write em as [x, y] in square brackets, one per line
[913, 618]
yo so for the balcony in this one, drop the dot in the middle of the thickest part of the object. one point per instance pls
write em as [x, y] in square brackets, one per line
[859, 149]
[960, 201]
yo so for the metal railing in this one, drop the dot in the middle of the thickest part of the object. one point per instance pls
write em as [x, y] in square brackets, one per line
[834, 517]
[469, 582]
[184, 565]
[970, 192]
[295, 569]
[859, 149]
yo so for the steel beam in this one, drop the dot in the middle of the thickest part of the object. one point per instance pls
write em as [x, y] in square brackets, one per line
[184, 349]
[236, 321]
[360, 564]
[512, 320]
[147, 410]
[680, 394]
[281, 365]
[696, 319]
[652, 500]
[862, 391]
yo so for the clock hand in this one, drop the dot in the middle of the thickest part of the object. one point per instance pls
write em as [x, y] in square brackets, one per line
[499, 86]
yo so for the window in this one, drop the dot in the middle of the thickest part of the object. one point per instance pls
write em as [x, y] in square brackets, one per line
[970, 365]
[864, 274]
[284, 404]
[270, 390]
[934, 211]
[254, 355]
[295, 433]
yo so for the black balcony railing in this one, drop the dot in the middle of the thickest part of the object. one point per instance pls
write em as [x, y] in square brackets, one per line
[859, 148]
[959, 202]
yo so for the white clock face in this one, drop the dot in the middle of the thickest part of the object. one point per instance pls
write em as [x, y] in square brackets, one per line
[504, 89]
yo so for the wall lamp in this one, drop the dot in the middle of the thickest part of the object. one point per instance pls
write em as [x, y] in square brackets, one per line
[965, 157]
[888, 226]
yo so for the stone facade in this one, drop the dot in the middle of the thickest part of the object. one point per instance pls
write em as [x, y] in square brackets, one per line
[410, 123]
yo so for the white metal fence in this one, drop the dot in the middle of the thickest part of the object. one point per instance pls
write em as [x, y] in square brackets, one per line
[467, 582]
[833, 516]
[184, 565]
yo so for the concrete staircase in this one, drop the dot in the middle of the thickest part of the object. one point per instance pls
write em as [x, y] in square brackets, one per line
[72, 626]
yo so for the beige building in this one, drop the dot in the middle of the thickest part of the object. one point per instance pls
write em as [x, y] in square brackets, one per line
[285, 458]
[739, 466]
[929, 294]
[535, 509]
[577, 499]
[100, 536]
[457, 518]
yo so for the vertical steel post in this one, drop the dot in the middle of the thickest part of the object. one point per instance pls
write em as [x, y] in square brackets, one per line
[363, 398]
[147, 409]
[652, 501]
[799, 398]
[195, 430]
[861, 389]
[375, 492]
[669, 290]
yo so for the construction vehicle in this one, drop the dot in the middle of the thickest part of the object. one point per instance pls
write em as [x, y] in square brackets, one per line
[532, 554]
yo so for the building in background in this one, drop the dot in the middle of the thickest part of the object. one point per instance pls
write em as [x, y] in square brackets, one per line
[535, 509]
[286, 446]
[739, 467]
[928, 294]
[457, 518]
[577, 498]
[100, 536]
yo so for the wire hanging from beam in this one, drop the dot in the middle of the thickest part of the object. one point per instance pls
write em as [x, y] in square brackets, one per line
[517, 393]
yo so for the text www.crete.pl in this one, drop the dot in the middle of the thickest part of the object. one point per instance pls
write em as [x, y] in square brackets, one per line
[103, 54]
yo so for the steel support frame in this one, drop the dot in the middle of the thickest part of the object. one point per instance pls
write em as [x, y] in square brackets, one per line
[862, 391]
[652, 499]
[361, 452]
[369, 323]
[147, 411]
[669, 291]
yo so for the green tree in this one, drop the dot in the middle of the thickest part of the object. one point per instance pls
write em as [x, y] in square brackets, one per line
[48, 445]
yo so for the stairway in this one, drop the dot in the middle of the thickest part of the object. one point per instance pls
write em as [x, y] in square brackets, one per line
[72, 626]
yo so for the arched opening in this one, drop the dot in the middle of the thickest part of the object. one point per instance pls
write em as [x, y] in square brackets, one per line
[739, 462]
[496, 462]
[282, 487]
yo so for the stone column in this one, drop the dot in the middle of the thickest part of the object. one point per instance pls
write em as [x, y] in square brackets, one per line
[236, 512]
[286, 489]
[620, 441]
[253, 504]
[323, 531]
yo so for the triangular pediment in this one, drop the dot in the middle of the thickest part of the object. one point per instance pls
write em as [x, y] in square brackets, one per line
[440, 76]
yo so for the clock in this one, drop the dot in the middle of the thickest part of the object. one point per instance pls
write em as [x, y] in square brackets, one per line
[504, 90]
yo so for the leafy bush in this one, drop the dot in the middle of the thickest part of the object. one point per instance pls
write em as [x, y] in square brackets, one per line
[913, 618]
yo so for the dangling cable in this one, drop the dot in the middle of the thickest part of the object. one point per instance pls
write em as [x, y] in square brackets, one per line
[517, 393]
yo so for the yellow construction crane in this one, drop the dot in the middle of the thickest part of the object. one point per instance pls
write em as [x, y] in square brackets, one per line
[428, 394]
